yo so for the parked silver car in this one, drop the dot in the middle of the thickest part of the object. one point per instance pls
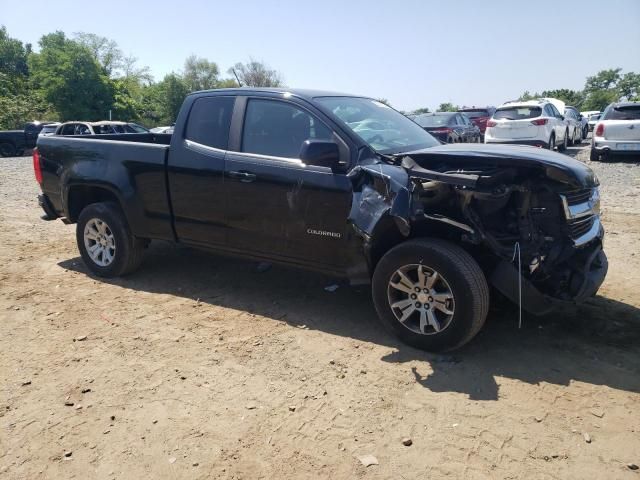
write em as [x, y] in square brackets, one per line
[617, 131]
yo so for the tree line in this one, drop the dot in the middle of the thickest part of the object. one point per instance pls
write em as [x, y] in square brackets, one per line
[86, 76]
[601, 89]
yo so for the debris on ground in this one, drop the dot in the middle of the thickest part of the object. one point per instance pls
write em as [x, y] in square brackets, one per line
[407, 442]
[368, 460]
[331, 288]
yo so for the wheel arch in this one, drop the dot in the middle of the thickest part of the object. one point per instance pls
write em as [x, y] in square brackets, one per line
[79, 196]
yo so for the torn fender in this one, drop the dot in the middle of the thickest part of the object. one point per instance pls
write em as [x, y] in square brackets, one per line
[380, 189]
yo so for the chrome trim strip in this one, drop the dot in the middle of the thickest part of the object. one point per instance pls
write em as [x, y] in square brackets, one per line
[594, 232]
[590, 207]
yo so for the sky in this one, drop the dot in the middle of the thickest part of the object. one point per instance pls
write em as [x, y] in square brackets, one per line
[413, 53]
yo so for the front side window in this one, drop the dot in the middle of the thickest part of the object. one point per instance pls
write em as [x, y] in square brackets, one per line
[209, 121]
[278, 129]
[82, 130]
[386, 130]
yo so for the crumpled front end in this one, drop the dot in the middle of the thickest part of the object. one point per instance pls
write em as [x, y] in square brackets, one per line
[532, 228]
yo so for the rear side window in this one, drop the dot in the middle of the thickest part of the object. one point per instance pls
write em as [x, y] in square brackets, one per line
[68, 129]
[517, 113]
[278, 129]
[209, 121]
[631, 112]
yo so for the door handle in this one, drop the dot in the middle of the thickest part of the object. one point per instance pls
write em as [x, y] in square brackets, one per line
[245, 177]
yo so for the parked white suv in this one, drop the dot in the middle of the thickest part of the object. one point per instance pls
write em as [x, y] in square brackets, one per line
[534, 122]
[617, 131]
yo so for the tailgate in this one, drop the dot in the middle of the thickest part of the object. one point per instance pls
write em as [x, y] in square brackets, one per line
[514, 129]
[622, 130]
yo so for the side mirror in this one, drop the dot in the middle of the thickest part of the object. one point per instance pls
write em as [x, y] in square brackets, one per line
[580, 117]
[322, 153]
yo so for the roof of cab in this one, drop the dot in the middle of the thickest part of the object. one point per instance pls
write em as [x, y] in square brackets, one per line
[298, 92]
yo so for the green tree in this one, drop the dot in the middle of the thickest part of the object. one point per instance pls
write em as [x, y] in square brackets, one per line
[526, 96]
[105, 51]
[70, 78]
[383, 100]
[420, 111]
[256, 74]
[447, 107]
[200, 74]
[629, 86]
[570, 97]
[14, 70]
[603, 80]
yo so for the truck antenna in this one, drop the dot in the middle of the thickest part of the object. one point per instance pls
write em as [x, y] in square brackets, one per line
[236, 75]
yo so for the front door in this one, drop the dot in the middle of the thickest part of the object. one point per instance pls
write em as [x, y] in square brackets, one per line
[276, 205]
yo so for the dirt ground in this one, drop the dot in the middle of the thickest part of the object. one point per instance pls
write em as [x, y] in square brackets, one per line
[201, 367]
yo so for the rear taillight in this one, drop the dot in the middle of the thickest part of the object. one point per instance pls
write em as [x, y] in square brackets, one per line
[600, 130]
[540, 121]
[492, 123]
[36, 166]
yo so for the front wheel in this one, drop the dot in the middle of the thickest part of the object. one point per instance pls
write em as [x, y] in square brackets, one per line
[431, 293]
[105, 242]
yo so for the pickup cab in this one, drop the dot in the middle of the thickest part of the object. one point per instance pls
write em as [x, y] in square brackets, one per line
[342, 185]
[14, 142]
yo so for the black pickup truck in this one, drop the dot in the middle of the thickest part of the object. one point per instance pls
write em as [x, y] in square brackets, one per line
[342, 185]
[13, 142]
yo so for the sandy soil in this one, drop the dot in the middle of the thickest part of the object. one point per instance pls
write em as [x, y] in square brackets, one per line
[200, 367]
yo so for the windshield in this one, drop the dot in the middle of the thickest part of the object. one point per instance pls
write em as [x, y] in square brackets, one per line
[384, 129]
[433, 120]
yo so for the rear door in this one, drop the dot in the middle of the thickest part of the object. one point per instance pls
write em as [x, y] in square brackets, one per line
[514, 123]
[195, 170]
[623, 123]
[278, 207]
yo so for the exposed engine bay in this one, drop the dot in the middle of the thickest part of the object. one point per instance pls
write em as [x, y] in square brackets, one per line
[525, 216]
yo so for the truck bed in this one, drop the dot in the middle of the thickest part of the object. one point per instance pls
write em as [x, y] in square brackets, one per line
[131, 166]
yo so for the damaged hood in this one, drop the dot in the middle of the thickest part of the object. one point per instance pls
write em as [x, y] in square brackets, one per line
[559, 167]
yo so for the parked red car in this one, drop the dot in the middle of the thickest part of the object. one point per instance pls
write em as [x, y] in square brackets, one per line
[479, 116]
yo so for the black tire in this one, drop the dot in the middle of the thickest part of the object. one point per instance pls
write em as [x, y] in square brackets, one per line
[461, 274]
[552, 142]
[594, 156]
[7, 149]
[127, 248]
[563, 146]
[577, 139]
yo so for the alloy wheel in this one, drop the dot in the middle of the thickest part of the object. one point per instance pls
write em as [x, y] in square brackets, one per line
[99, 242]
[421, 299]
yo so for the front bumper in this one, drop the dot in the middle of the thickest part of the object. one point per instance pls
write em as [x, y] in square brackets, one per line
[588, 273]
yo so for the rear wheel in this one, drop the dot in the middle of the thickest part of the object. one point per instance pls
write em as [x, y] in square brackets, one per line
[105, 242]
[431, 294]
[594, 156]
[563, 146]
[552, 142]
[7, 149]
